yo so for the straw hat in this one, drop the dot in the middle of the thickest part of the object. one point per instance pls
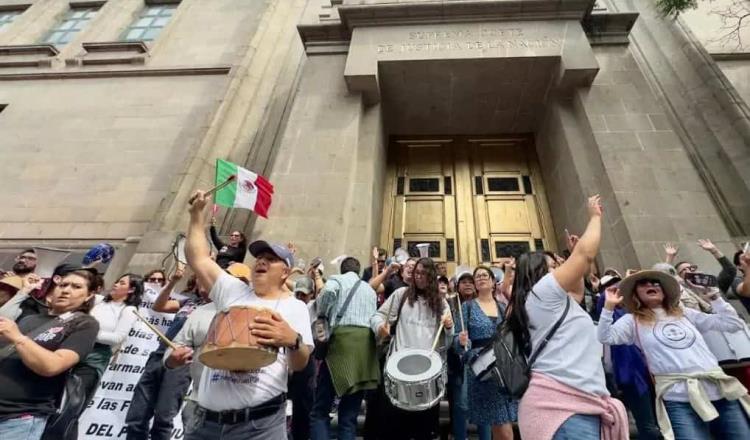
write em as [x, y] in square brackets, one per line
[13, 282]
[669, 286]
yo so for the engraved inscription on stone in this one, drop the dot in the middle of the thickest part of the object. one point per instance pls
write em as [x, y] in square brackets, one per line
[442, 40]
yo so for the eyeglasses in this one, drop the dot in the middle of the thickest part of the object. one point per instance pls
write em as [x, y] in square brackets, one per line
[155, 280]
[482, 276]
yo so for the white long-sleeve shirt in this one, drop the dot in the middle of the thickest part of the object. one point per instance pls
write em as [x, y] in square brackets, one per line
[115, 320]
[674, 345]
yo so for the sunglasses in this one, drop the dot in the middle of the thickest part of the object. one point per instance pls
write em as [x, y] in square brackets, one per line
[155, 280]
[692, 268]
[655, 283]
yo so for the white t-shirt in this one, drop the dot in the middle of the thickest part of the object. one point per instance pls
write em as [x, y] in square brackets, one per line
[225, 390]
[674, 345]
[573, 356]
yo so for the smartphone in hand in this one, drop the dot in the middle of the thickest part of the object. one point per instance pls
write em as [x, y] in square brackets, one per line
[702, 279]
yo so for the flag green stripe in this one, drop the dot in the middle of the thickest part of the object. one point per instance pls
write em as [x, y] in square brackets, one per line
[225, 196]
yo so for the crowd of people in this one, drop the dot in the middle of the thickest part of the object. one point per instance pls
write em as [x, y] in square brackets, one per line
[601, 347]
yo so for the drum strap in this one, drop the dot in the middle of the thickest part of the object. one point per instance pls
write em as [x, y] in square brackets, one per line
[345, 306]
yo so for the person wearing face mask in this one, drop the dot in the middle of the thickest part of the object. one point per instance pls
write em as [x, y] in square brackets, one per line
[416, 312]
[489, 408]
[232, 252]
[694, 397]
[241, 405]
[37, 352]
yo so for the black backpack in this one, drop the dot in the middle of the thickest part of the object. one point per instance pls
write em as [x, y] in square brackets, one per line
[511, 369]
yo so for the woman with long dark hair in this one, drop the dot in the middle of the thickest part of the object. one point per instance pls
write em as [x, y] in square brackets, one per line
[232, 252]
[567, 395]
[418, 310]
[115, 315]
[37, 352]
[489, 408]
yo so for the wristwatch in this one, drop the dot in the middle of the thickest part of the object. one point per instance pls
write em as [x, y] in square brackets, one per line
[297, 343]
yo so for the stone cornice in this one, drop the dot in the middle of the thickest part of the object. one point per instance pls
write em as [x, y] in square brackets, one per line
[609, 27]
[77, 74]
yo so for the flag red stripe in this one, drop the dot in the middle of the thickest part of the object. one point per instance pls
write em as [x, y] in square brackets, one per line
[263, 183]
[262, 203]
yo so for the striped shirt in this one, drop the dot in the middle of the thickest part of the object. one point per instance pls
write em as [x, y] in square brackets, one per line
[361, 308]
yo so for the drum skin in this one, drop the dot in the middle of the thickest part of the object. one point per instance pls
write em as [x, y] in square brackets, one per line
[230, 345]
[422, 387]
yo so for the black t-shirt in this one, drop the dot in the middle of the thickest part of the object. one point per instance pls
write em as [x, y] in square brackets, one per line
[392, 284]
[25, 392]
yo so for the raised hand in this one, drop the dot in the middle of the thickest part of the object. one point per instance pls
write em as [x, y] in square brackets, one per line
[671, 249]
[595, 206]
[198, 202]
[571, 240]
[612, 298]
[292, 248]
[708, 246]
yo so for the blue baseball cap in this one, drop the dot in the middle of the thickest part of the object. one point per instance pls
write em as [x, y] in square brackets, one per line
[258, 247]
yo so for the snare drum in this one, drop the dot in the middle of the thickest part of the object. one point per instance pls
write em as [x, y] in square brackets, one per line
[730, 349]
[414, 379]
[230, 345]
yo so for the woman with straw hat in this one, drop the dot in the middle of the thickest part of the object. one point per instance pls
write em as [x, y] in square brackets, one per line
[694, 398]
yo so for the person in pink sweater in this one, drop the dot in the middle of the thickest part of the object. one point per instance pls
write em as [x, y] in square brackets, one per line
[567, 396]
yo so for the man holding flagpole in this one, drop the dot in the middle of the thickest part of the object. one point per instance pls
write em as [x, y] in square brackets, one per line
[248, 405]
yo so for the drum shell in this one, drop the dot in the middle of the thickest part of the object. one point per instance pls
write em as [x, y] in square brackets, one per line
[231, 346]
[414, 395]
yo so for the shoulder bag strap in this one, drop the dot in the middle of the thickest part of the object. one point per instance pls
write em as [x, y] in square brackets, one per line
[324, 313]
[398, 312]
[341, 312]
[550, 333]
[10, 349]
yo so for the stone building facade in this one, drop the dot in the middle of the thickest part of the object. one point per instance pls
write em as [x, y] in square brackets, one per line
[478, 127]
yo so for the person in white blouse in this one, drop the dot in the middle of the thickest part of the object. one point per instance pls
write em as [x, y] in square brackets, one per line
[694, 397]
[114, 312]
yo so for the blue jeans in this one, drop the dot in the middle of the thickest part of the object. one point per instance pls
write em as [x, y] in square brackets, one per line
[484, 432]
[320, 420]
[579, 427]
[459, 403]
[732, 422]
[158, 394]
[26, 427]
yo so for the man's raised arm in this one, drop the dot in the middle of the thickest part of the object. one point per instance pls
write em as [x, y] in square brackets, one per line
[196, 248]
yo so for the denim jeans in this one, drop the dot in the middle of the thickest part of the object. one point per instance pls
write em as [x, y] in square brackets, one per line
[579, 427]
[642, 407]
[27, 427]
[459, 403]
[320, 420]
[732, 422]
[272, 427]
[484, 432]
[158, 394]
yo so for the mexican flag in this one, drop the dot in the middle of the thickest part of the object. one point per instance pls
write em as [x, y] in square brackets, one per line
[249, 190]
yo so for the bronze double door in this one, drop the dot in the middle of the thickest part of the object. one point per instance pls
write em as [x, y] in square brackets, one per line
[473, 200]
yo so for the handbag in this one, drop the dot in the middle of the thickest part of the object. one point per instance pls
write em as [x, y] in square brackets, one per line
[511, 369]
[322, 329]
[63, 424]
[484, 362]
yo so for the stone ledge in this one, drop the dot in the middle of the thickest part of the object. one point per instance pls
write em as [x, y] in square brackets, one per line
[189, 71]
[27, 55]
[111, 53]
[609, 27]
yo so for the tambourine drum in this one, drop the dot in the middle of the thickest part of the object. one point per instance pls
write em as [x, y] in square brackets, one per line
[230, 345]
[414, 379]
[731, 349]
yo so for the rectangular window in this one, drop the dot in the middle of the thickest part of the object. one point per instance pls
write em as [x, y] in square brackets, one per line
[150, 23]
[424, 185]
[75, 21]
[7, 17]
[502, 184]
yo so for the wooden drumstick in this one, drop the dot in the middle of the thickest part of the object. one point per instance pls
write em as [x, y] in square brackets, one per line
[437, 337]
[229, 180]
[461, 316]
[161, 336]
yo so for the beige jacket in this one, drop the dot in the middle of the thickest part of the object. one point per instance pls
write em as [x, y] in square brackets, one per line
[730, 388]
